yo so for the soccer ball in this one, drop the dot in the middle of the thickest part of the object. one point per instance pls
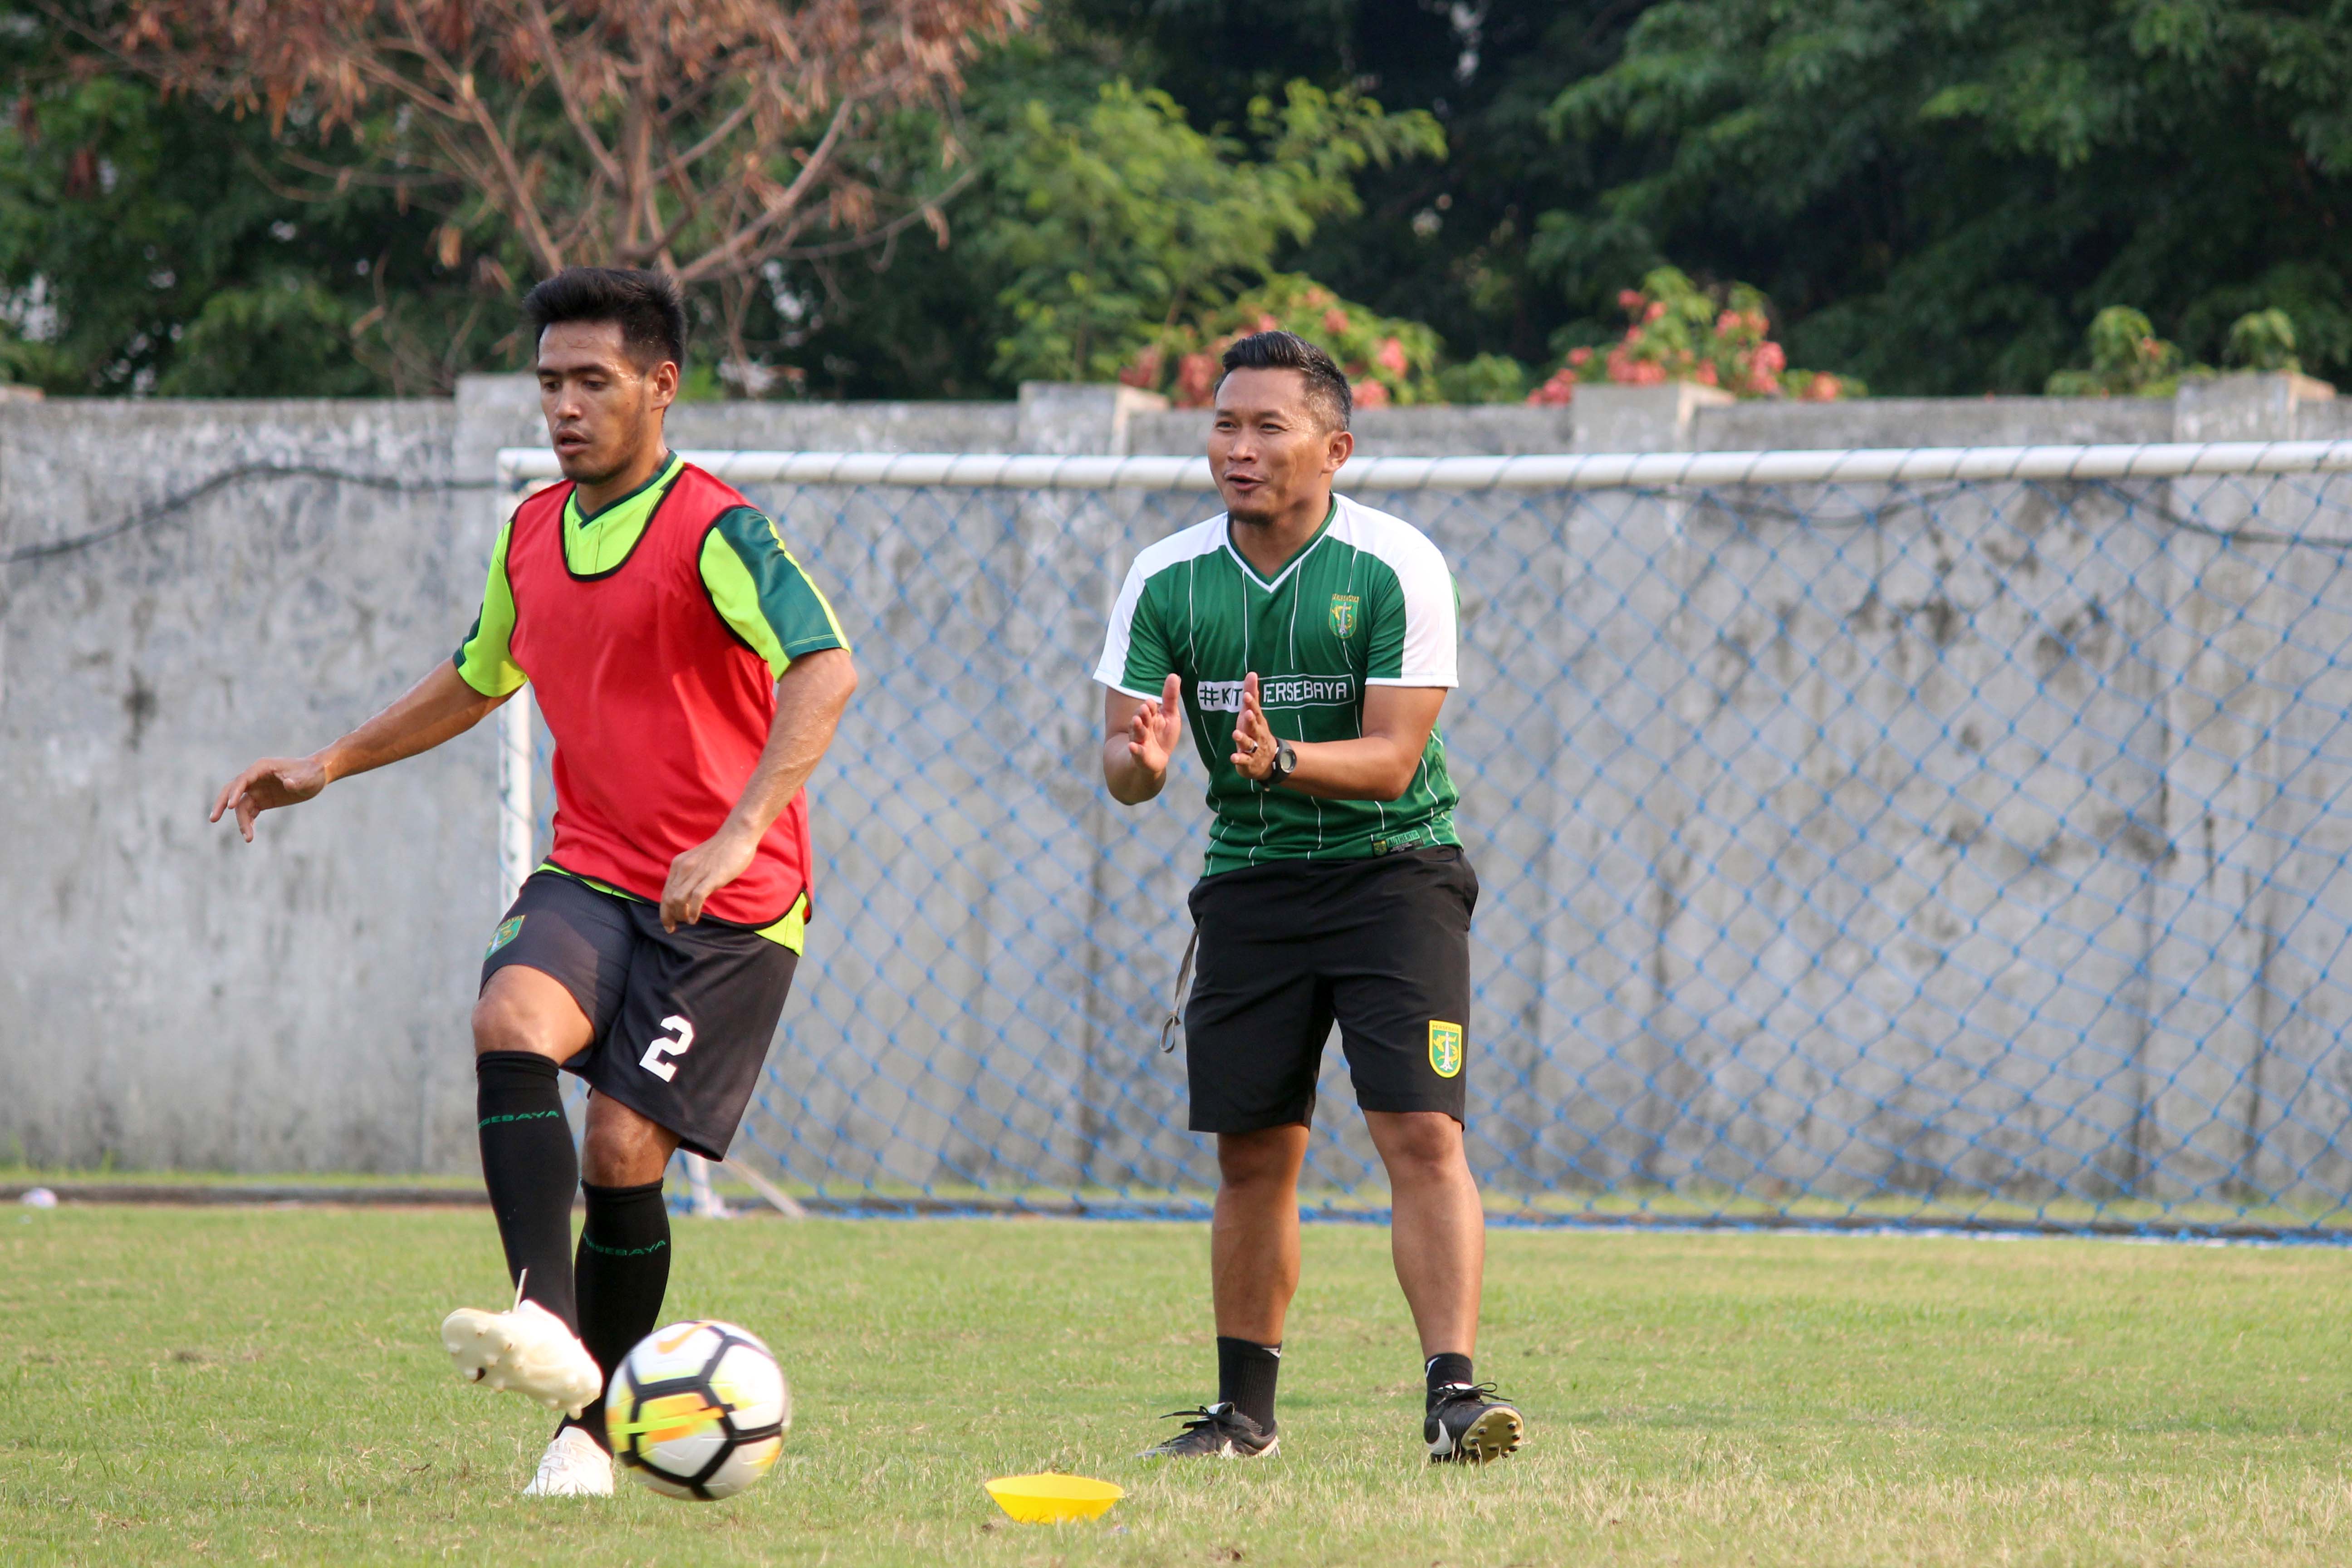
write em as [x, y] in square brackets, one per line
[698, 1410]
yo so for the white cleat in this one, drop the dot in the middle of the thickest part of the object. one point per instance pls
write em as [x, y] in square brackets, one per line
[526, 1348]
[572, 1467]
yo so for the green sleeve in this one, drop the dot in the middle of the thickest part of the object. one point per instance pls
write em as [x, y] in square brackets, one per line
[486, 658]
[1384, 612]
[761, 592]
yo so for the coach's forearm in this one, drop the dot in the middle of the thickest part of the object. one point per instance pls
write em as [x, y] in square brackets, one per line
[1373, 768]
[1128, 781]
[810, 700]
[437, 709]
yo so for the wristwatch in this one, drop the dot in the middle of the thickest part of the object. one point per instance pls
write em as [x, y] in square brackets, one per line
[1286, 763]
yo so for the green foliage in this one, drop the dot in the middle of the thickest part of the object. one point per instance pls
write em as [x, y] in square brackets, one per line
[285, 330]
[2262, 339]
[2128, 359]
[1937, 196]
[1131, 223]
[1940, 193]
[143, 248]
[1450, 243]
[1483, 378]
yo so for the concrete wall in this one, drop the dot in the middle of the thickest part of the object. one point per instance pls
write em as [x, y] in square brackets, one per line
[1679, 713]
[169, 995]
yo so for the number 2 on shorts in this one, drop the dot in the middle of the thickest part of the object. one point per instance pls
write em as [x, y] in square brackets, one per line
[665, 1046]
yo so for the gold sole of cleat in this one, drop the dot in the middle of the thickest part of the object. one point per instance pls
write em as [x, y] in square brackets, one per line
[1495, 1432]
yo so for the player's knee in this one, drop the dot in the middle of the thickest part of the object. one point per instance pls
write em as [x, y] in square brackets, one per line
[1255, 1160]
[622, 1149]
[1426, 1146]
[499, 1026]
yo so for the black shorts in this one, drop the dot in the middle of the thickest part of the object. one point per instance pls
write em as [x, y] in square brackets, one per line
[1381, 945]
[683, 1018]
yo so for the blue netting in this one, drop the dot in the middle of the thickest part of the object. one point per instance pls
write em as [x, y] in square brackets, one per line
[1962, 854]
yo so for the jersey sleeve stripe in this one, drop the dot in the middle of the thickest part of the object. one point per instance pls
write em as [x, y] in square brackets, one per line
[1185, 545]
[762, 593]
[485, 659]
[1432, 632]
[1111, 670]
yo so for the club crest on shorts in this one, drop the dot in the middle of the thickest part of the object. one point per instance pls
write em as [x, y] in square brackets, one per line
[507, 931]
[1444, 1049]
[1343, 616]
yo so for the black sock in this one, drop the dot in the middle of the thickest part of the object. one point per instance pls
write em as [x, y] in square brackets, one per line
[623, 1270]
[1445, 1368]
[1245, 1374]
[531, 1170]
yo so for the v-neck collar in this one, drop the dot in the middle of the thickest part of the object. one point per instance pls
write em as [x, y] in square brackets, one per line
[1270, 584]
[578, 519]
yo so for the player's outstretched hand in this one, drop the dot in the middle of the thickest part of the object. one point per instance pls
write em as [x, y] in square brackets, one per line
[267, 784]
[1153, 733]
[696, 876]
[1252, 756]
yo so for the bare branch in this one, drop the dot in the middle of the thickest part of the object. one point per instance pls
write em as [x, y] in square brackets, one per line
[718, 259]
[928, 213]
[551, 57]
[636, 131]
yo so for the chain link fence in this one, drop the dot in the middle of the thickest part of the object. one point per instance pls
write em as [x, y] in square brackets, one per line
[1933, 838]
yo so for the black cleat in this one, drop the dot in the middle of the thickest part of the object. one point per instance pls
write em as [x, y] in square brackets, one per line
[1464, 1426]
[1214, 1431]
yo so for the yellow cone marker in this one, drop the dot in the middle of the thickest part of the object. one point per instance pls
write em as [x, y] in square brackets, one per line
[1051, 1499]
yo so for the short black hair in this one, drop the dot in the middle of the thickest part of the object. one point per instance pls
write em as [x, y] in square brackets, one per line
[1327, 387]
[647, 306]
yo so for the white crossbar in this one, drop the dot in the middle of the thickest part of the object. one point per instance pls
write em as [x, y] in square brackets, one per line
[1563, 471]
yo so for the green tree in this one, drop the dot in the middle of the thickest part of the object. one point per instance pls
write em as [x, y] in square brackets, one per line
[1101, 221]
[1940, 193]
[1446, 242]
[142, 249]
[1126, 220]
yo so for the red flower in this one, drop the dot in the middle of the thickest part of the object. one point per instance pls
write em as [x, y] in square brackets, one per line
[1579, 357]
[1335, 321]
[1196, 381]
[1706, 376]
[1145, 372]
[1560, 389]
[1392, 356]
[1657, 307]
[1369, 395]
[1822, 388]
[1629, 298]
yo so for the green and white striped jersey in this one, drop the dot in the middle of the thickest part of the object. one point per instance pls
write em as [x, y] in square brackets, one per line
[1367, 602]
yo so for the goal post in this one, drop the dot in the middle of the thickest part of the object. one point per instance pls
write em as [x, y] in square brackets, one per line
[1943, 836]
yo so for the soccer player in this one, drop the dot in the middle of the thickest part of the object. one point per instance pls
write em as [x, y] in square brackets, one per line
[692, 677]
[1308, 643]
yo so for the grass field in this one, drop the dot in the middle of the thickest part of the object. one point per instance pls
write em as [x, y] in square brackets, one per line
[243, 1385]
